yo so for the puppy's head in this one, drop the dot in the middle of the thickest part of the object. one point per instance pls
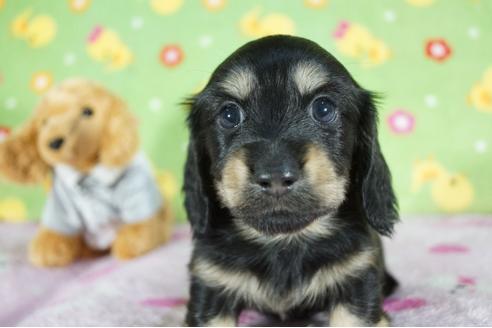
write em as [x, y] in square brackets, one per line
[78, 123]
[282, 135]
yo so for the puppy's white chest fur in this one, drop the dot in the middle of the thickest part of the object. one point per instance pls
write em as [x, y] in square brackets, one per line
[261, 294]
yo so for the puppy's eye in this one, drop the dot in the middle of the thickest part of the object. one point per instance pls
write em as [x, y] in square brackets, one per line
[230, 116]
[87, 111]
[323, 110]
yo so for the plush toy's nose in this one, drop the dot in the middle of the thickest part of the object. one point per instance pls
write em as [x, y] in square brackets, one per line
[56, 143]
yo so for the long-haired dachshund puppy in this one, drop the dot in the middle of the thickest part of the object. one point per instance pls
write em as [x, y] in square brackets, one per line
[286, 190]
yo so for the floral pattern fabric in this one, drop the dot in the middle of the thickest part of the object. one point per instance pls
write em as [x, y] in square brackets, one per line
[431, 61]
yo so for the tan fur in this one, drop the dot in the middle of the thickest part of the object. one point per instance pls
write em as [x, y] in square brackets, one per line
[20, 160]
[52, 249]
[322, 226]
[221, 321]
[139, 238]
[308, 76]
[383, 322]
[248, 286]
[120, 142]
[341, 316]
[239, 83]
[234, 178]
[321, 174]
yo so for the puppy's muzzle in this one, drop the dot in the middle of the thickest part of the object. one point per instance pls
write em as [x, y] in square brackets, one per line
[276, 173]
[276, 182]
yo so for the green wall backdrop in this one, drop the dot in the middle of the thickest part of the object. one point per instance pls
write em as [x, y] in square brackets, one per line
[430, 59]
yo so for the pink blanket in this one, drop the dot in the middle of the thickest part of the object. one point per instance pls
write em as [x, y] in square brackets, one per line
[443, 264]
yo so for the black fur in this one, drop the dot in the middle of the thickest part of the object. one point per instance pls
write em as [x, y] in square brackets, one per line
[278, 128]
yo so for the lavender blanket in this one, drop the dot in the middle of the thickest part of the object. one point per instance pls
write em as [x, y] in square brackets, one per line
[443, 264]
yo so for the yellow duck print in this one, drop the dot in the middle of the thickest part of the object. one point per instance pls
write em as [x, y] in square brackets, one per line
[254, 25]
[316, 4]
[79, 6]
[420, 3]
[36, 30]
[166, 7]
[167, 184]
[451, 192]
[480, 95]
[106, 46]
[356, 41]
[12, 210]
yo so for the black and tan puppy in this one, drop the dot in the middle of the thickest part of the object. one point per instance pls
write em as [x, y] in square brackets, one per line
[286, 190]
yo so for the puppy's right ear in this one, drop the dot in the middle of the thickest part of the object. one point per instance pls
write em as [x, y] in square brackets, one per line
[20, 160]
[197, 202]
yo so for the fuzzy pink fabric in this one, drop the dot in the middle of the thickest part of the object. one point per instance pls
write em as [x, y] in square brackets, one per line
[443, 264]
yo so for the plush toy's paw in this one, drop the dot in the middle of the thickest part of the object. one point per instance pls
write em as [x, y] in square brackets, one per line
[51, 249]
[139, 238]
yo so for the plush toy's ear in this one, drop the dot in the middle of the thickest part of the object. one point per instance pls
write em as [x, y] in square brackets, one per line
[20, 160]
[372, 176]
[120, 139]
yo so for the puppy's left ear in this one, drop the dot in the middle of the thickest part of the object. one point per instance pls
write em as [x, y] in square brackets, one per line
[120, 139]
[372, 176]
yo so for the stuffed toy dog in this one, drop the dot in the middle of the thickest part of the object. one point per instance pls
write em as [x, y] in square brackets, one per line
[103, 193]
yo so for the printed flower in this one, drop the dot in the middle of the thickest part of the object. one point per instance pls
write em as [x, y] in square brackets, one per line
[79, 6]
[254, 24]
[105, 45]
[315, 4]
[171, 55]
[401, 122]
[4, 132]
[341, 29]
[12, 210]
[420, 3]
[467, 281]
[41, 81]
[437, 49]
[37, 30]
[214, 5]
[167, 183]
[358, 42]
[166, 7]
[480, 95]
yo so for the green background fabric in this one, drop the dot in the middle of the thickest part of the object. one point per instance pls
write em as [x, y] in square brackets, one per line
[435, 113]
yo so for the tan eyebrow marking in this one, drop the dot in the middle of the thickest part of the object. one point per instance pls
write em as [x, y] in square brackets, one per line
[308, 76]
[239, 82]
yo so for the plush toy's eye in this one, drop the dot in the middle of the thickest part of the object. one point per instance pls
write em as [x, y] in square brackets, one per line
[323, 110]
[231, 116]
[87, 111]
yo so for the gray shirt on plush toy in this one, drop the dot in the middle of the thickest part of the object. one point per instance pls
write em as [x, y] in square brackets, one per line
[95, 204]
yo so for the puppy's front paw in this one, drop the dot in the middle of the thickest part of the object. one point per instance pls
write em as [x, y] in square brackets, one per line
[52, 249]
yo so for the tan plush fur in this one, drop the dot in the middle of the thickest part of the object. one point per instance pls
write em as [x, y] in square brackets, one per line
[51, 249]
[109, 137]
[139, 238]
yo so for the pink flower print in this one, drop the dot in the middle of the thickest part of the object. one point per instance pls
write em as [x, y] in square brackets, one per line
[410, 303]
[341, 29]
[448, 248]
[401, 122]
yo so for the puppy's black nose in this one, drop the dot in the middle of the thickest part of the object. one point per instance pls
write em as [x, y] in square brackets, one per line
[276, 183]
[56, 143]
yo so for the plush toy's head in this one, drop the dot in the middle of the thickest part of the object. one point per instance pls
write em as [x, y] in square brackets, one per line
[78, 123]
